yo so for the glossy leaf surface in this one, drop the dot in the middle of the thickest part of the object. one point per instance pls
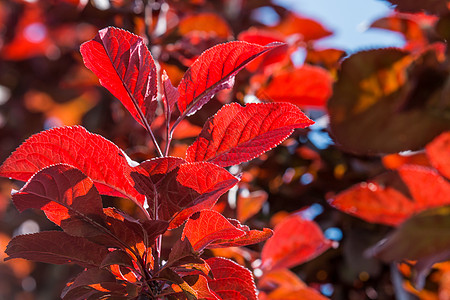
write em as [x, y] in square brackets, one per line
[213, 71]
[231, 281]
[295, 241]
[95, 156]
[238, 134]
[126, 68]
[56, 247]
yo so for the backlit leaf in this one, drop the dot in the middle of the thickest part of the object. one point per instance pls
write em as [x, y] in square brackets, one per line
[98, 158]
[388, 101]
[238, 134]
[213, 71]
[304, 86]
[207, 226]
[124, 65]
[68, 198]
[264, 37]
[382, 202]
[374, 203]
[438, 153]
[56, 247]
[180, 189]
[308, 29]
[208, 22]
[231, 281]
[294, 241]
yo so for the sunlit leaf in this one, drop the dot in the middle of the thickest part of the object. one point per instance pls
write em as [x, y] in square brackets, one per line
[304, 86]
[207, 226]
[95, 156]
[208, 22]
[294, 241]
[308, 29]
[438, 153]
[214, 71]
[231, 281]
[238, 134]
[124, 65]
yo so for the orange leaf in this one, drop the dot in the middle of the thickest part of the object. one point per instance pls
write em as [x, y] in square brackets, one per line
[208, 22]
[248, 206]
[304, 86]
[295, 241]
[438, 152]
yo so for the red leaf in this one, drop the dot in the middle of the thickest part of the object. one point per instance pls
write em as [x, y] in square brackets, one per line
[98, 158]
[249, 205]
[231, 281]
[251, 237]
[214, 70]
[308, 29]
[98, 284]
[180, 188]
[56, 247]
[374, 203]
[207, 226]
[238, 134]
[200, 284]
[427, 187]
[294, 241]
[438, 152]
[68, 198]
[264, 37]
[170, 95]
[124, 65]
[378, 203]
[303, 86]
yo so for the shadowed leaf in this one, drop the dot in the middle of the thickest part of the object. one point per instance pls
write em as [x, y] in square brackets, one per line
[56, 247]
[388, 100]
[68, 198]
[179, 188]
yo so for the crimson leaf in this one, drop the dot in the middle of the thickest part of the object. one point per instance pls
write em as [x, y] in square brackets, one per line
[124, 65]
[214, 70]
[56, 247]
[179, 189]
[100, 159]
[68, 198]
[238, 134]
[295, 241]
[231, 281]
[207, 226]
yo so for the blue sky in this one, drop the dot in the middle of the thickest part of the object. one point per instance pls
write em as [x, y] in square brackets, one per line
[348, 19]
